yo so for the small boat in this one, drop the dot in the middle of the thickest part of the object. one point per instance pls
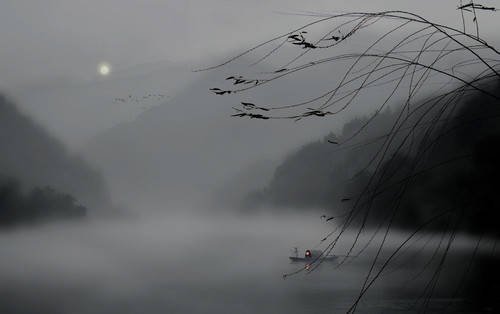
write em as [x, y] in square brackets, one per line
[310, 256]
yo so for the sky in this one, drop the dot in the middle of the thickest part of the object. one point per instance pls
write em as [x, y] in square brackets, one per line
[51, 49]
[67, 39]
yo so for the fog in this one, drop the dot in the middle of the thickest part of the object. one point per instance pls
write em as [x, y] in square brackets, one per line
[51, 49]
[192, 264]
[133, 189]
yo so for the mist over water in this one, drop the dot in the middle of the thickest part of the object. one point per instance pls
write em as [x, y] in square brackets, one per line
[160, 263]
[137, 188]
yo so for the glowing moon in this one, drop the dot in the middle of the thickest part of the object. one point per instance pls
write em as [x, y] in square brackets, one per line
[104, 69]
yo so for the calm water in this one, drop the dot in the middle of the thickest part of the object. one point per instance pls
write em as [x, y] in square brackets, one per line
[172, 264]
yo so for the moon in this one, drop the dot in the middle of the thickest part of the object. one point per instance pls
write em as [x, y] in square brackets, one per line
[104, 69]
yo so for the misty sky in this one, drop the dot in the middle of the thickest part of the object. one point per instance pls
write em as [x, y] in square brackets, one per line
[66, 39]
[51, 48]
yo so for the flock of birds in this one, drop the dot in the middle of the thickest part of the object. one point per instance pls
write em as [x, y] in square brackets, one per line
[139, 99]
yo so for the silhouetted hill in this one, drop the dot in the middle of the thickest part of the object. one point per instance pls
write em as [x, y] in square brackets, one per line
[38, 204]
[450, 164]
[319, 174]
[34, 159]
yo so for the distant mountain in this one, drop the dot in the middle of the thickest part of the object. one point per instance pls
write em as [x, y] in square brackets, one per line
[34, 159]
[230, 194]
[190, 146]
[320, 173]
[78, 109]
[459, 171]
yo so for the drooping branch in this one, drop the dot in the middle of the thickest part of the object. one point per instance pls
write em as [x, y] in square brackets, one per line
[412, 54]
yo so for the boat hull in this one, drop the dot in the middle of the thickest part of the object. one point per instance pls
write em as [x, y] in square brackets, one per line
[294, 259]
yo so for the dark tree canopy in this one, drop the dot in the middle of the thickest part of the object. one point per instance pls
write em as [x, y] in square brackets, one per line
[37, 205]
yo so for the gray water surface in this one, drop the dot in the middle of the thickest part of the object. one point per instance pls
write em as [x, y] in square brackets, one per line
[172, 264]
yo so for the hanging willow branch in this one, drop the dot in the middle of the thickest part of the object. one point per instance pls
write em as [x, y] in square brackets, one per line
[413, 53]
